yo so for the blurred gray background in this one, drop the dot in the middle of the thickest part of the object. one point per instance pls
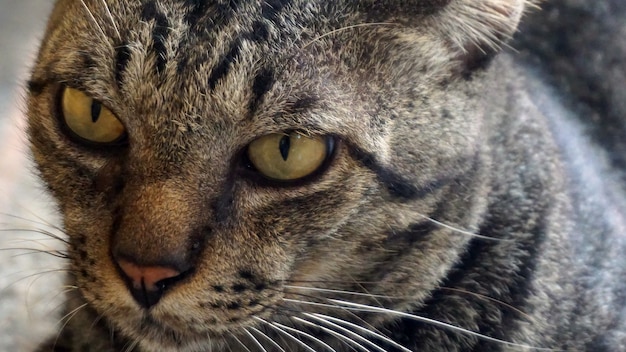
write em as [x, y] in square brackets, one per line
[29, 283]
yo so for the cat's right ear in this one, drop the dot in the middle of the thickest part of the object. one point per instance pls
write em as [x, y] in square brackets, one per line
[467, 25]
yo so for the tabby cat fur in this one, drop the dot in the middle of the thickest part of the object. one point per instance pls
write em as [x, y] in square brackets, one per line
[460, 204]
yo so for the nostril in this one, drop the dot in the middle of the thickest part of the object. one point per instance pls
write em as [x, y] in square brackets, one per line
[147, 276]
[147, 283]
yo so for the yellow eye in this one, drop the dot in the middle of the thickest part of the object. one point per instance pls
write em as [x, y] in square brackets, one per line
[288, 157]
[89, 119]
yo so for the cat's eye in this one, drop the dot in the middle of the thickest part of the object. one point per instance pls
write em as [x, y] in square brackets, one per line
[289, 156]
[88, 119]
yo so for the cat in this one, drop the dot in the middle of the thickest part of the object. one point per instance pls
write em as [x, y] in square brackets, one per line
[295, 175]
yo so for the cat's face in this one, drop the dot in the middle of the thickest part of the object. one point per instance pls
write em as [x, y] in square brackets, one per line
[256, 154]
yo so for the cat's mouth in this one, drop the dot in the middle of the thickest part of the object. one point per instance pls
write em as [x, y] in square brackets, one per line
[177, 326]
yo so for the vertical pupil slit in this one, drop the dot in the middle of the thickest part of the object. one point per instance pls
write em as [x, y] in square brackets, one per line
[283, 146]
[96, 108]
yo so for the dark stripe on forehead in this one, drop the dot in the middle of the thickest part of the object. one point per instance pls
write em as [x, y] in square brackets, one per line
[223, 66]
[259, 32]
[122, 57]
[160, 32]
[263, 82]
[221, 13]
[204, 18]
[302, 104]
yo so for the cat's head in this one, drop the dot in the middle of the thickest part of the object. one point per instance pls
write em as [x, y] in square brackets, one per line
[228, 162]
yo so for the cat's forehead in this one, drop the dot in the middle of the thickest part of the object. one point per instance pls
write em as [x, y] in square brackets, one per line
[165, 38]
[224, 54]
[180, 74]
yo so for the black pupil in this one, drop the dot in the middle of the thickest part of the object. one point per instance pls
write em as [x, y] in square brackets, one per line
[96, 107]
[283, 146]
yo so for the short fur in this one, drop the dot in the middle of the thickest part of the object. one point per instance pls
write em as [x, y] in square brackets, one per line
[462, 196]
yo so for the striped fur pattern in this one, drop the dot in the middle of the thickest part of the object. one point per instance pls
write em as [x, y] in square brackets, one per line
[444, 220]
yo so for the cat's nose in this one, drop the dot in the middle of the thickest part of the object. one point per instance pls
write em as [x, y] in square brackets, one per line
[147, 283]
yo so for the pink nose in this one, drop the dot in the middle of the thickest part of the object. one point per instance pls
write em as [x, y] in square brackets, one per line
[147, 283]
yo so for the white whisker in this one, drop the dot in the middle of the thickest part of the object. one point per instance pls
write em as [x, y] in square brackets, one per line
[436, 323]
[350, 342]
[364, 330]
[368, 331]
[93, 19]
[31, 251]
[311, 303]
[365, 290]
[300, 332]
[71, 314]
[269, 339]
[487, 298]
[240, 343]
[110, 15]
[254, 339]
[464, 232]
[360, 294]
[316, 289]
[346, 331]
[49, 234]
[39, 221]
[285, 333]
[38, 274]
[131, 345]
[229, 348]
[69, 317]
[347, 28]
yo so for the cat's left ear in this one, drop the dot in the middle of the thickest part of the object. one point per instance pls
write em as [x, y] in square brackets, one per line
[466, 24]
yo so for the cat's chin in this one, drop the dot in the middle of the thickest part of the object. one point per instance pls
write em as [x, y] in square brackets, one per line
[166, 342]
[164, 330]
[155, 335]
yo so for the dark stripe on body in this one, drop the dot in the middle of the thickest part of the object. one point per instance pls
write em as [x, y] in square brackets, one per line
[399, 243]
[397, 185]
[520, 281]
[478, 272]
[417, 231]
[378, 11]
[223, 205]
[260, 32]
[272, 8]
